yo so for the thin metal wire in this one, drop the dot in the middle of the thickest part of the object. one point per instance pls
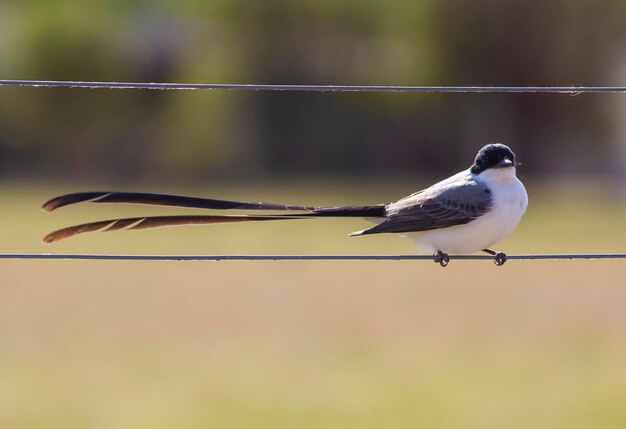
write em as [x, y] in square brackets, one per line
[572, 90]
[122, 257]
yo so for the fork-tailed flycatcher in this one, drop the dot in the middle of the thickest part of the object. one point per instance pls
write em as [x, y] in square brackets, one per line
[468, 212]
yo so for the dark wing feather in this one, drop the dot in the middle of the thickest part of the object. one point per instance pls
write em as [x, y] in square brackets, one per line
[153, 222]
[436, 208]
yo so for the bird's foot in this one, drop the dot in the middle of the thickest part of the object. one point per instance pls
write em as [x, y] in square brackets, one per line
[441, 258]
[499, 257]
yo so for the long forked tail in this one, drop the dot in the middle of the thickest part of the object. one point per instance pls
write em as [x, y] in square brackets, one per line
[305, 212]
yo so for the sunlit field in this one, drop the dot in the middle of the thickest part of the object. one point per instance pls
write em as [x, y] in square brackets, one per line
[311, 344]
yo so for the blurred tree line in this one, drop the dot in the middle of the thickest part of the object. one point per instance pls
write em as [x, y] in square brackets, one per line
[197, 135]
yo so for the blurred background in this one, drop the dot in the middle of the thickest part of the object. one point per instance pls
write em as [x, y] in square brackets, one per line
[310, 344]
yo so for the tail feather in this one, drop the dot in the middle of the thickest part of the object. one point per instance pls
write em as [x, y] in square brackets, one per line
[154, 222]
[371, 211]
[164, 200]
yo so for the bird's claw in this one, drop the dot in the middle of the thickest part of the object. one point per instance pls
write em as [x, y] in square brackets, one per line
[441, 258]
[500, 258]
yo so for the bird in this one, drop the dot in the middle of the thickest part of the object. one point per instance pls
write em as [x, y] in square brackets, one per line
[465, 213]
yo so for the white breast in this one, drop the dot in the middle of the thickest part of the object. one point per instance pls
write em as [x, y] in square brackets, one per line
[509, 199]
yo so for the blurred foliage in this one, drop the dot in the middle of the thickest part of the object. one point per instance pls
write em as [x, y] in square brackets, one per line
[182, 136]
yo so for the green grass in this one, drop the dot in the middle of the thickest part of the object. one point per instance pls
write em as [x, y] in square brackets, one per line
[310, 344]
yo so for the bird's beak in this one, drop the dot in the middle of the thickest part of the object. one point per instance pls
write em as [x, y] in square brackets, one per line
[506, 162]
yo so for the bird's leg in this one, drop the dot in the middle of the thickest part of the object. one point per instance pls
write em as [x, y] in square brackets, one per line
[441, 258]
[500, 257]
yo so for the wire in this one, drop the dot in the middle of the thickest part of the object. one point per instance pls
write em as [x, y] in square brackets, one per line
[572, 90]
[122, 257]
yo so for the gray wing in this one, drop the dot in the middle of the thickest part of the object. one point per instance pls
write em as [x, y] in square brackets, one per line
[436, 207]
